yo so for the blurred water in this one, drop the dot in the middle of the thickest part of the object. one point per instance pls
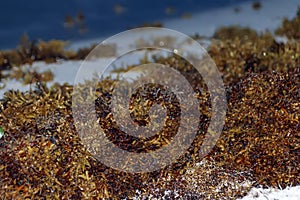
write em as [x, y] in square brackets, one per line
[92, 18]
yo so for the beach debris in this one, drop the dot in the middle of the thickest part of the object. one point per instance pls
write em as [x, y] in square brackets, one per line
[1, 132]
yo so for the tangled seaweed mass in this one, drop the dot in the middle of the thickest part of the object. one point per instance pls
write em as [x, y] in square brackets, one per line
[42, 155]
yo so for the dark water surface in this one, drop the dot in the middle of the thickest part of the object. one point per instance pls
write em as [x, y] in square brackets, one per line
[88, 18]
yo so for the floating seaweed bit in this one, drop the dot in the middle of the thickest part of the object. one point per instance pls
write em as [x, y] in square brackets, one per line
[261, 133]
[119, 9]
[77, 22]
[256, 5]
[290, 28]
[69, 22]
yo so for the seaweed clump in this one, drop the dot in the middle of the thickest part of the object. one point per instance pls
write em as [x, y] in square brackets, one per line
[261, 133]
[290, 28]
[236, 58]
[42, 155]
[27, 76]
[233, 32]
[51, 51]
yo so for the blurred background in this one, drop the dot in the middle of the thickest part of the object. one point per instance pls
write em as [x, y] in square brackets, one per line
[76, 20]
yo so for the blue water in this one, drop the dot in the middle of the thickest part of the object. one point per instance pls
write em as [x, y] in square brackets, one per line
[45, 19]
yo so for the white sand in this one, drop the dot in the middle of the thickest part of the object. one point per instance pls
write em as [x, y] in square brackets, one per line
[290, 193]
